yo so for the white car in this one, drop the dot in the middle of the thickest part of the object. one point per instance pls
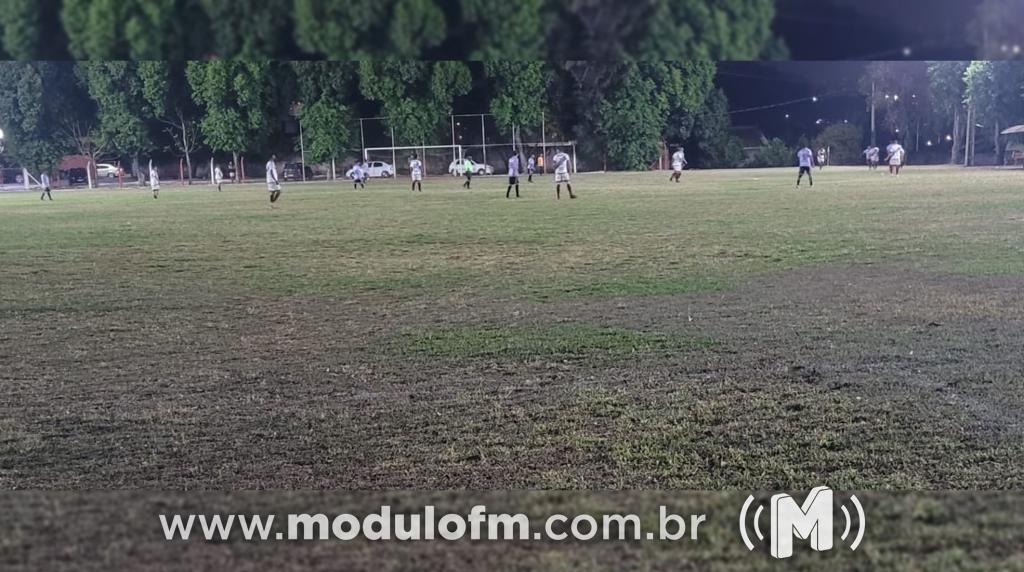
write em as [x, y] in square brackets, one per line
[379, 169]
[458, 168]
[107, 170]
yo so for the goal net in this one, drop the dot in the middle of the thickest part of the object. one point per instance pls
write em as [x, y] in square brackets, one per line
[488, 159]
[436, 159]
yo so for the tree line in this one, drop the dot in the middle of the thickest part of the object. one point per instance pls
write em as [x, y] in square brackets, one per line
[553, 30]
[619, 111]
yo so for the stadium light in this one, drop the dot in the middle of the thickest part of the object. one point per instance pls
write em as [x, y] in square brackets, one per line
[949, 137]
[928, 143]
[815, 99]
[896, 97]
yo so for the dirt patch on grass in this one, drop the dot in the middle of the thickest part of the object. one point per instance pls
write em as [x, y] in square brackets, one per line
[865, 377]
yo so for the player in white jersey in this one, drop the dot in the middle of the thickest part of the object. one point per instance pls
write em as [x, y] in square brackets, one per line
[416, 172]
[154, 181]
[358, 175]
[531, 166]
[44, 182]
[513, 175]
[678, 163]
[218, 177]
[871, 156]
[822, 157]
[561, 161]
[273, 183]
[806, 158]
[897, 155]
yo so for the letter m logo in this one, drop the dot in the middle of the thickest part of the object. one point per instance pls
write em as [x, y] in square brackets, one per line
[812, 521]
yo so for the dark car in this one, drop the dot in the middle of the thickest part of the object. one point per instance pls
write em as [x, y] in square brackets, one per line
[77, 176]
[293, 172]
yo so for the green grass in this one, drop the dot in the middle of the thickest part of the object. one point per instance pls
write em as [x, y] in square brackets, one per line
[555, 341]
[628, 235]
[728, 332]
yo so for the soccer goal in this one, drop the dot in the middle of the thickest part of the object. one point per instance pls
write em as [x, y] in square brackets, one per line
[392, 161]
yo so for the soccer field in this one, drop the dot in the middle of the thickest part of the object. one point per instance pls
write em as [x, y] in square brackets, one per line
[731, 331]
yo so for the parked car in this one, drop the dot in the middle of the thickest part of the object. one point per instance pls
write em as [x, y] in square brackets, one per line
[293, 172]
[458, 168]
[108, 170]
[379, 169]
[77, 176]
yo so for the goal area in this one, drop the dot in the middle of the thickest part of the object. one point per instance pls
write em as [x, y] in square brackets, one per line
[490, 158]
[436, 159]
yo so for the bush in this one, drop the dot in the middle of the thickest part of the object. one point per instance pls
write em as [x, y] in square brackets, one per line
[844, 141]
[775, 154]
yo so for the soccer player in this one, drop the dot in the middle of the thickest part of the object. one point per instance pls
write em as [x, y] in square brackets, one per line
[897, 154]
[218, 177]
[154, 181]
[416, 171]
[678, 162]
[806, 158]
[531, 166]
[44, 182]
[561, 161]
[822, 156]
[513, 175]
[358, 175]
[273, 183]
[467, 167]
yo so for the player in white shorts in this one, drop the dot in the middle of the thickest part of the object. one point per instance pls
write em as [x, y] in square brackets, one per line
[561, 161]
[218, 177]
[678, 163]
[358, 175]
[44, 182]
[154, 182]
[897, 155]
[416, 171]
[273, 183]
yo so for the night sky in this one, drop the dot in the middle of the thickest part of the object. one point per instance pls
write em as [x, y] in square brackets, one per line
[758, 84]
[876, 29]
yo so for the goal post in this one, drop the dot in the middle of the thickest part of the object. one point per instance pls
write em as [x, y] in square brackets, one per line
[436, 159]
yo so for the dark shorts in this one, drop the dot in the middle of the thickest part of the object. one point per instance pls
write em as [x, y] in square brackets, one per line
[805, 170]
[513, 180]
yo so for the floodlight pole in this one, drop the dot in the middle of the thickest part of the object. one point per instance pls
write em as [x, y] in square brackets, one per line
[452, 117]
[874, 139]
[394, 157]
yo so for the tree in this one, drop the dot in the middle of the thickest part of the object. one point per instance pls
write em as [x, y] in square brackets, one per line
[135, 29]
[121, 110]
[415, 96]
[995, 30]
[30, 30]
[165, 90]
[900, 90]
[252, 29]
[355, 29]
[37, 101]
[843, 141]
[324, 91]
[947, 87]
[711, 144]
[994, 91]
[519, 92]
[663, 29]
[775, 154]
[635, 116]
[234, 96]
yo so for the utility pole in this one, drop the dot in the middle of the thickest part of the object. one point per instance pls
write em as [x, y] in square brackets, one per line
[874, 138]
